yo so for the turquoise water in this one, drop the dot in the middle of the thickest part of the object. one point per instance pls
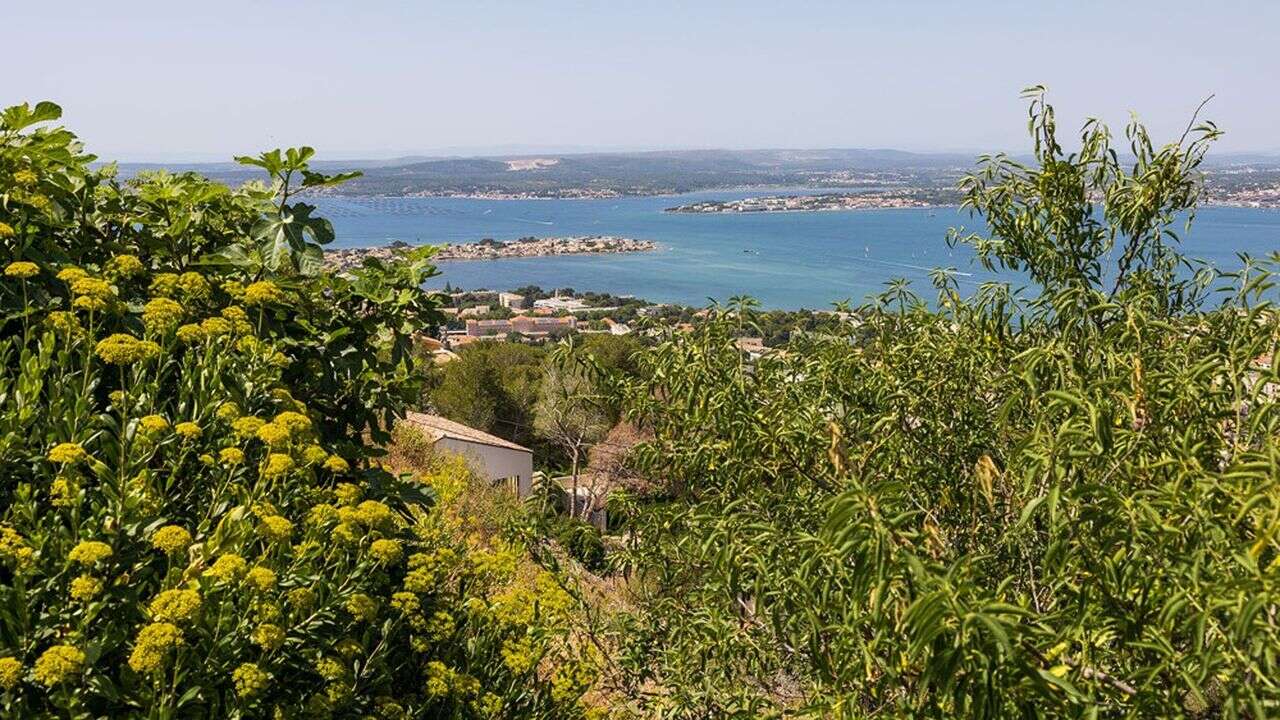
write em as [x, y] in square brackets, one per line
[785, 260]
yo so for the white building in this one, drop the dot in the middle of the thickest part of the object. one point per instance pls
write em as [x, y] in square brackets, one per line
[512, 301]
[497, 459]
[560, 303]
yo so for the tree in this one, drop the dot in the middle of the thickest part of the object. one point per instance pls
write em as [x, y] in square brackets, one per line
[491, 386]
[570, 412]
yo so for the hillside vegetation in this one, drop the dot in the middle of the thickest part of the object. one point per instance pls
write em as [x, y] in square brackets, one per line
[1061, 503]
[192, 519]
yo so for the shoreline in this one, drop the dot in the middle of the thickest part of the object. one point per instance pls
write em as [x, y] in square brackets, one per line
[340, 259]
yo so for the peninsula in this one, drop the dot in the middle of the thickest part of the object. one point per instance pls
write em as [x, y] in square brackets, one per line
[805, 203]
[490, 249]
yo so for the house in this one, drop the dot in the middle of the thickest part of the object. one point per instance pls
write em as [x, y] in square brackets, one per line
[502, 461]
[560, 303]
[615, 327]
[475, 311]
[513, 301]
[524, 324]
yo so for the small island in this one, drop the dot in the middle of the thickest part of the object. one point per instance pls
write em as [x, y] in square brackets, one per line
[490, 249]
[804, 203]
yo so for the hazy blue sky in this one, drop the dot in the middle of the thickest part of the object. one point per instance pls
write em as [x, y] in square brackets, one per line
[166, 79]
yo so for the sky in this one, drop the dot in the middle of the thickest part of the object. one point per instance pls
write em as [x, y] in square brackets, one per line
[165, 80]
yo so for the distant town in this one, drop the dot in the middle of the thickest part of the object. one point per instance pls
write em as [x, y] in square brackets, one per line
[805, 203]
[490, 249]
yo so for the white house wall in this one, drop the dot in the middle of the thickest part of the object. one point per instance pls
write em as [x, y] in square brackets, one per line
[494, 462]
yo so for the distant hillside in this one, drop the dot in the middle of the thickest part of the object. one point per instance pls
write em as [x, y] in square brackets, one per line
[647, 173]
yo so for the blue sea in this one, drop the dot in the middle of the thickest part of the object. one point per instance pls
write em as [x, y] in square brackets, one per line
[784, 260]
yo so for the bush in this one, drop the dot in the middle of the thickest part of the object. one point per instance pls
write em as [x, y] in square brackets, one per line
[581, 540]
[188, 523]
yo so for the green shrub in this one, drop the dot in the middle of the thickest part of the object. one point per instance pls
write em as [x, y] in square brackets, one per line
[188, 523]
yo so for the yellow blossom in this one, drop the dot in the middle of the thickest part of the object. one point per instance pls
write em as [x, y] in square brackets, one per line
[278, 465]
[374, 514]
[234, 288]
[301, 599]
[263, 292]
[276, 528]
[6, 230]
[65, 323]
[188, 430]
[268, 637]
[161, 314]
[228, 411]
[124, 266]
[175, 606]
[21, 270]
[439, 678]
[89, 552]
[58, 664]
[215, 327]
[294, 422]
[231, 456]
[63, 492]
[94, 288]
[153, 424]
[362, 607]
[70, 275]
[190, 333]
[85, 588]
[249, 680]
[193, 285]
[247, 426]
[264, 579]
[13, 548]
[348, 493]
[153, 645]
[122, 349]
[164, 284]
[171, 540]
[67, 453]
[314, 454]
[386, 552]
[273, 435]
[227, 568]
[10, 673]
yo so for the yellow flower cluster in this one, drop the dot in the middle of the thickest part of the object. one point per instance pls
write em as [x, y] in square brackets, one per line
[153, 645]
[153, 424]
[6, 230]
[249, 680]
[268, 637]
[67, 453]
[520, 655]
[261, 578]
[294, 422]
[161, 314]
[124, 266]
[63, 492]
[21, 270]
[13, 548]
[188, 430]
[85, 588]
[386, 552]
[273, 435]
[190, 334]
[193, 285]
[227, 568]
[301, 599]
[175, 606]
[89, 552]
[336, 465]
[215, 327]
[65, 323]
[247, 426]
[122, 349]
[58, 664]
[278, 465]
[406, 602]
[231, 456]
[228, 411]
[348, 493]
[263, 292]
[91, 294]
[171, 540]
[10, 673]
[275, 528]
[238, 318]
[362, 607]
[570, 680]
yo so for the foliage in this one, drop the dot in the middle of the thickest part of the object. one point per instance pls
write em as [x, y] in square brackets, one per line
[491, 386]
[188, 526]
[581, 540]
[1057, 506]
[571, 413]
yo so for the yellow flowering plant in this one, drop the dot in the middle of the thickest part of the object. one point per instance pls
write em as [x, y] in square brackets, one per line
[171, 556]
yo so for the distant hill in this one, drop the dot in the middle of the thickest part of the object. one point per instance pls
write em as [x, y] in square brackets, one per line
[599, 174]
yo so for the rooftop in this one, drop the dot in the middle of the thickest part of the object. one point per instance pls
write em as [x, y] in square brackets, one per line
[437, 427]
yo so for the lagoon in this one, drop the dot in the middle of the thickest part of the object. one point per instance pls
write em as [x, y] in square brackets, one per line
[785, 260]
